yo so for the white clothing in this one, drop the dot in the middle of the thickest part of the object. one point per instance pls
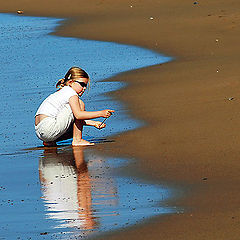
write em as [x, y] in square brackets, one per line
[60, 115]
[53, 104]
[51, 128]
[60, 192]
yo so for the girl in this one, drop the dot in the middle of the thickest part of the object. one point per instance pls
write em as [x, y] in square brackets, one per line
[62, 114]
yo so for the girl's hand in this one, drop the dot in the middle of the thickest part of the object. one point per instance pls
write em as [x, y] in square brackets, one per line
[107, 113]
[99, 125]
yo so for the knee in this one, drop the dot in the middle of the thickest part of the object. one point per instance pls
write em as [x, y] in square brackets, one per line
[82, 105]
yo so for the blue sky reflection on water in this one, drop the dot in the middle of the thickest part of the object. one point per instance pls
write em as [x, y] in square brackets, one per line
[31, 63]
[88, 198]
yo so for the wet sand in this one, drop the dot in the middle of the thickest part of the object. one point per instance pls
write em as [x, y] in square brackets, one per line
[191, 104]
[72, 203]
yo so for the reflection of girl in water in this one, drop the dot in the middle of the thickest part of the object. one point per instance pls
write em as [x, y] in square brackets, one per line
[66, 189]
[71, 188]
[62, 115]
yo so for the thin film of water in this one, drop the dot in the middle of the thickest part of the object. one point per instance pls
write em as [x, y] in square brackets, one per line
[32, 61]
[84, 198]
[64, 193]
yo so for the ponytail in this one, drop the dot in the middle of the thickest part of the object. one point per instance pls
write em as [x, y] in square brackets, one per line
[61, 83]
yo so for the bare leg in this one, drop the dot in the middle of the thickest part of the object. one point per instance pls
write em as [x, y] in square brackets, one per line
[79, 158]
[77, 134]
[77, 130]
[84, 190]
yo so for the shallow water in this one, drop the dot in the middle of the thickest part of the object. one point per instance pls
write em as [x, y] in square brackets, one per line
[74, 193]
[32, 61]
[86, 198]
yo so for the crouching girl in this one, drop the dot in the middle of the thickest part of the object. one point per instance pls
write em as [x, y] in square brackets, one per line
[62, 115]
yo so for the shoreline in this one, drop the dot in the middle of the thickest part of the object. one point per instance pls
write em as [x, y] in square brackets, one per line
[55, 173]
[192, 131]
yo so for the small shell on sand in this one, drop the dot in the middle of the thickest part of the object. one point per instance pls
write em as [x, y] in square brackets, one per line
[20, 12]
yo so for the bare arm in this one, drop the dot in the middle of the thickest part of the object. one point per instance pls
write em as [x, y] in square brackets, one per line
[86, 115]
[90, 123]
[96, 124]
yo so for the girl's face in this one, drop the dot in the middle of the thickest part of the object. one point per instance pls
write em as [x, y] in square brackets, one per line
[79, 85]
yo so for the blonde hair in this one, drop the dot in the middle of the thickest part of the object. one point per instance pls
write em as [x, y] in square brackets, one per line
[72, 73]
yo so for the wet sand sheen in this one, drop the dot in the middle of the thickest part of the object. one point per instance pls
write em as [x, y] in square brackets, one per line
[85, 198]
[36, 61]
[81, 195]
[193, 130]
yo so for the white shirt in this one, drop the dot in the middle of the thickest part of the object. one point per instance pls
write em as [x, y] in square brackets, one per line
[55, 102]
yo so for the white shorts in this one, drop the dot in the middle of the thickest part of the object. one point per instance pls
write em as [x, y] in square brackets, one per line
[50, 128]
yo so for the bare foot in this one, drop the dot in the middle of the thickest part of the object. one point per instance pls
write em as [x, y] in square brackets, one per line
[49, 144]
[81, 142]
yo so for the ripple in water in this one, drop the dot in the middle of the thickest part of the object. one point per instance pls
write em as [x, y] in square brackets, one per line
[32, 61]
[85, 198]
[76, 195]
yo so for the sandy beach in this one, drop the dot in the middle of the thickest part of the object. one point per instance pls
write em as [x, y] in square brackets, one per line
[191, 105]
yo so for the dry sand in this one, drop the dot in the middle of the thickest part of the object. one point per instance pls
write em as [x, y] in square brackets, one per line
[193, 127]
